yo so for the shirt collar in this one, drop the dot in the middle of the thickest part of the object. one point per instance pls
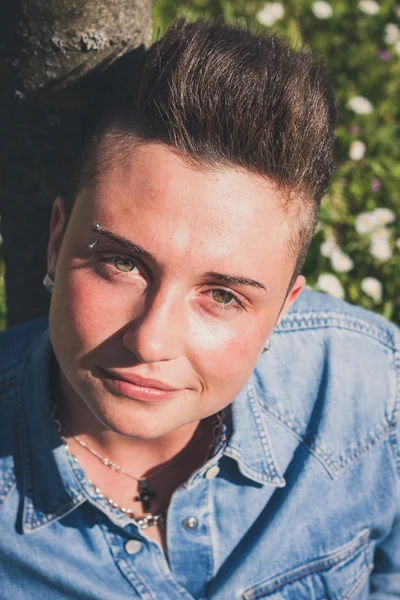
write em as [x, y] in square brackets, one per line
[250, 444]
[51, 489]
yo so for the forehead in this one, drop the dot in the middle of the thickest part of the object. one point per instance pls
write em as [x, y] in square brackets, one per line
[156, 194]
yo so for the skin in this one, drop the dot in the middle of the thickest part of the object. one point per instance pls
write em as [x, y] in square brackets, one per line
[164, 318]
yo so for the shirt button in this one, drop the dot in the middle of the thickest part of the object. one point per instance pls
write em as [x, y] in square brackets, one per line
[133, 546]
[190, 523]
[212, 472]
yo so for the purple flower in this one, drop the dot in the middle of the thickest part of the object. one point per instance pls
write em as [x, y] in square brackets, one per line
[376, 184]
[385, 55]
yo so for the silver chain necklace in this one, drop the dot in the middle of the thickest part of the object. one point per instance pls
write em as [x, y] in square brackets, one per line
[146, 493]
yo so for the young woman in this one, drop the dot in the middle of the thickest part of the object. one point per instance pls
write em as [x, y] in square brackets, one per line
[150, 446]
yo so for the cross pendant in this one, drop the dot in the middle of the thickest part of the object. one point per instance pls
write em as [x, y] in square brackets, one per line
[146, 495]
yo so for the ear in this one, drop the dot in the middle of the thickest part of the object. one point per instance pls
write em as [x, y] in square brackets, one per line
[293, 294]
[57, 223]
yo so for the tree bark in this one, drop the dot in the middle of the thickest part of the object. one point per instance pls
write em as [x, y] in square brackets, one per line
[63, 64]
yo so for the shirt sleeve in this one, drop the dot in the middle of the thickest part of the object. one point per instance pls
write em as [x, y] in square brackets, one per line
[385, 577]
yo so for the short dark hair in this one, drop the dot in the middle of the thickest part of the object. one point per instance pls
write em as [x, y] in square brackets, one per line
[223, 96]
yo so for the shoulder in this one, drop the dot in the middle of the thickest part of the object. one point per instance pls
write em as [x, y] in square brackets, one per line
[332, 378]
[15, 345]
[314, 310]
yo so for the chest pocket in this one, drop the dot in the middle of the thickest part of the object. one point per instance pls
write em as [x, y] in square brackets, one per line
[340, 575]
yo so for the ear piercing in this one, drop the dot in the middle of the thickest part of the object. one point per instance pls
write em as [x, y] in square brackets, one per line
[267, 346]
[92, 245]
[48, 282]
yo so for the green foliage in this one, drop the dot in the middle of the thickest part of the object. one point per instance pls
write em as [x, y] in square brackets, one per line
[361, 254]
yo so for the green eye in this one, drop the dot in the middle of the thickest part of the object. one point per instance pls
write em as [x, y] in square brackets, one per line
[124, 264]
[222, 297]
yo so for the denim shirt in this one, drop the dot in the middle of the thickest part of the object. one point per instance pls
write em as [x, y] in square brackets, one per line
[304, 505]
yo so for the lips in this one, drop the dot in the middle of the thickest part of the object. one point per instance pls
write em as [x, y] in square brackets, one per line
[142, 382]
[138, 388]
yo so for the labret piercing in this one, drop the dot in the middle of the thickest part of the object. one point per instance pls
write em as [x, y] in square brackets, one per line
[92, 245]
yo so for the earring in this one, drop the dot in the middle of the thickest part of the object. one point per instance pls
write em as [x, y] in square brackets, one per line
[267, 346]
[48, 282]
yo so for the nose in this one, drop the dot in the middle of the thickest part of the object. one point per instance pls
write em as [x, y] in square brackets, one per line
[158, 333]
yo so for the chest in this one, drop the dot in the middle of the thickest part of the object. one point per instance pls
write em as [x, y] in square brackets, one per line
[224, 539]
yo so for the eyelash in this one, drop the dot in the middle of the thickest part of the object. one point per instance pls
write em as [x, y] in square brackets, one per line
[109, 262]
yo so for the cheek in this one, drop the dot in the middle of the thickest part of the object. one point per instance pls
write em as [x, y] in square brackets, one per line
[89, 311]
[226, 358]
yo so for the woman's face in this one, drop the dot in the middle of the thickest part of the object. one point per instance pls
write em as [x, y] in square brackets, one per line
[185, 284]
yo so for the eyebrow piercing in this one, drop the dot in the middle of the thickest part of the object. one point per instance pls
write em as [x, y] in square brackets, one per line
[92, 245]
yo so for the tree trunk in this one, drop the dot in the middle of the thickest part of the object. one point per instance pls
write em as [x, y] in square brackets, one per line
[63, 63]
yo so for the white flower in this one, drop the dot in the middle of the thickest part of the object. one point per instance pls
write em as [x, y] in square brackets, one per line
[365, 222]
[397, 47]
[372, 287]
[331, 285]
[360, 105]
[322, 10]
[392, 33]
[341, 263]
[369, 7]
[357, 150]
[374, 222]
[380, 234]
[271, 12]
[383, 216]
[328, 247]
[381, 249]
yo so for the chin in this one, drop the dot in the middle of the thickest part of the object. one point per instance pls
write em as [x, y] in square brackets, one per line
[135, 421]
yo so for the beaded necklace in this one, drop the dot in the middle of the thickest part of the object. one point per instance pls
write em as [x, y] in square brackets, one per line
[146, 493]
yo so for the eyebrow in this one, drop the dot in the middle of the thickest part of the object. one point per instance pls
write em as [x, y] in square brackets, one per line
[234, 280]
[214, 275]
[124, 242]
